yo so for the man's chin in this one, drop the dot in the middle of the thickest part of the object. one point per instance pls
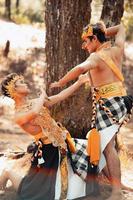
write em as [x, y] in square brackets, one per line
[89, 51]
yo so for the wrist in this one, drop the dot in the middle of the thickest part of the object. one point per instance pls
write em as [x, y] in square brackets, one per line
[79, 82]
[60, 83]
[111, 31]
[46, 102]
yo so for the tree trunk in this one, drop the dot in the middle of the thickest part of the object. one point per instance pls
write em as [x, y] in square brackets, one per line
[7, 49]
[8, 9]
[17, 6]
[64, 24]
[112, 12]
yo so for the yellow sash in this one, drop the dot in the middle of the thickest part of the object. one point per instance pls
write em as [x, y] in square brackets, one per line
[111, 64]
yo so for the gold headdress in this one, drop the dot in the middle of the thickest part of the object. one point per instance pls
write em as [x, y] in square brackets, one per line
[87, 33]
[10, 87]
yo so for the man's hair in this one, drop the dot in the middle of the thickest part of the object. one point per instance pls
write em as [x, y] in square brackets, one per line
[99, 29]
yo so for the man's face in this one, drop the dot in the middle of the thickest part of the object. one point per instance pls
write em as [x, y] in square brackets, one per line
[21, 87]
[89, 45]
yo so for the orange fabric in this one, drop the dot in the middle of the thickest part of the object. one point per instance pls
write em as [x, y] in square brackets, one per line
[70, 143]
[38, 136]
[93, 146]
[43, 138]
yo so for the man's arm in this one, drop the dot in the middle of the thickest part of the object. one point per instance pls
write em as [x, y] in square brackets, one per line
[119, 33]
[76, 71]
[67, 92]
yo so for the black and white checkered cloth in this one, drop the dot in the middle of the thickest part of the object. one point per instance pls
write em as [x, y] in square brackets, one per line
[117, 107]
[80, 158]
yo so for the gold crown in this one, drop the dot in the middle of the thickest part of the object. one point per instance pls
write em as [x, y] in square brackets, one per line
[10, 87]
[87, 33]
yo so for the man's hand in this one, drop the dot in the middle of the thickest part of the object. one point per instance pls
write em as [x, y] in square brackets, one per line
[40, 101]
[84, 78]
[43, 96]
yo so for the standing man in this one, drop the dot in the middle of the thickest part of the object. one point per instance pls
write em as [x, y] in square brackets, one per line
[110, 102]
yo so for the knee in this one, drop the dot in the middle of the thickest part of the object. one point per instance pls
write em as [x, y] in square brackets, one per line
[6, 173]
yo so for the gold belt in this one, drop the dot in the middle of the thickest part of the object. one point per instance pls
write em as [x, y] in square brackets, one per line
[111, 90]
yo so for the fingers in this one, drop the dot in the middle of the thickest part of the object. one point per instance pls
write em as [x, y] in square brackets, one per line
[51, 85]
[84, 78]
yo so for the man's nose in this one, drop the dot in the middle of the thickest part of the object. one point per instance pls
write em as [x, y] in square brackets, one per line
[84, 45]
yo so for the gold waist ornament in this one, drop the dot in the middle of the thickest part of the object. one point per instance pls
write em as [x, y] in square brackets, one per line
[112, 90]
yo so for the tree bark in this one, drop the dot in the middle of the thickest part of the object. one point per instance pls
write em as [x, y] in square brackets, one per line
[112, 12]
[8, 9]
[64, 24]
[7, 49]
[17, 6]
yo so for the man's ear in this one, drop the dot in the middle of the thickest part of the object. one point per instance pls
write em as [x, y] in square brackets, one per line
[94, 37]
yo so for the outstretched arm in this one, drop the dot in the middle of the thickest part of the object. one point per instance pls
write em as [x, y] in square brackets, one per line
[67, 92]
[76, 71]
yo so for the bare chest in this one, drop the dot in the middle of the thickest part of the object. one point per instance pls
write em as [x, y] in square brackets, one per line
[102, 75]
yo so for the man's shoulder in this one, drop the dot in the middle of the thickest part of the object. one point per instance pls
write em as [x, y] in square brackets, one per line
[112, 52]
[93, 56]
[93, 59]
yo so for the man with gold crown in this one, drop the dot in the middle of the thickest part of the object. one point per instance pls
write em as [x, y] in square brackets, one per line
[50, 174]
[111, 104]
